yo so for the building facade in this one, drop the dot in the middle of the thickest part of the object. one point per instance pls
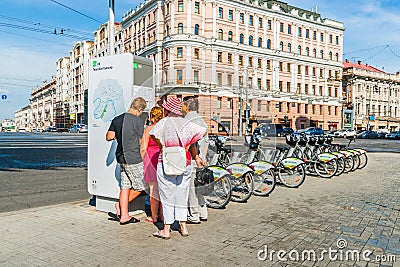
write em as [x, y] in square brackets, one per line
[42, 104]
[100, 47]
[281, 62]
[62, 114]
[372, 97]
[23, 118]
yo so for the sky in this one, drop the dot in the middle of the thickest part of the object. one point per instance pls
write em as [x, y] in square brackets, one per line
[29, 48]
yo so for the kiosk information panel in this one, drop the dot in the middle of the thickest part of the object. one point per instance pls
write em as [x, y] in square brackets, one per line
[113, 84]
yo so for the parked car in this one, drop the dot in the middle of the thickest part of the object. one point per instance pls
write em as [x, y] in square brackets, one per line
[51, 129]
[368, 135]
[78, 128]
[271, 129]
[311, 131]
[393, 135]
[286, 131]
[344, 133]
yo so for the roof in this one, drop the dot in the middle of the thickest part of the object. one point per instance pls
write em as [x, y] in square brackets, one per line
[347, 64]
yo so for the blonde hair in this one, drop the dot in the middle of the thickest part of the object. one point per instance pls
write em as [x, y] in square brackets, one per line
[138, 103]
[156, 114]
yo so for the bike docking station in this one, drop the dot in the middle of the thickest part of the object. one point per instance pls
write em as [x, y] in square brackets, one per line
[114, 81]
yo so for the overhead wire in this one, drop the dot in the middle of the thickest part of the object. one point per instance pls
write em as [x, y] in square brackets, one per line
[47, 41]
[70, 8]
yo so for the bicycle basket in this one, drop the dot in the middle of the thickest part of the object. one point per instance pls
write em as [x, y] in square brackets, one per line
[321, 140]
[312, 140]
[291, 140]
[329, 140]
[303, 140]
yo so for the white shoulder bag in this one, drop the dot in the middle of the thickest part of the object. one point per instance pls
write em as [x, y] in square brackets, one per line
[174, 159]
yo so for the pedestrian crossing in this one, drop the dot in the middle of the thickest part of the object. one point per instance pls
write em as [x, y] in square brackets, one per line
[42, 140]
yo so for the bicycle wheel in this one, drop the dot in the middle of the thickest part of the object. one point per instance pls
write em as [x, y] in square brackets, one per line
[292, 177]
[363, 160]
[242, 187]
[341, 165]
[349, 163]
[356, 159]
[221, 195]
[326, 169]
[264, 183]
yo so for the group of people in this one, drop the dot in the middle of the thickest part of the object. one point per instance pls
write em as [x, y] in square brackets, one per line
[146, 157]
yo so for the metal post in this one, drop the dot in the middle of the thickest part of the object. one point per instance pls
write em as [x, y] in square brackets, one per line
[111, 28]
[247, 108]
[240, 111]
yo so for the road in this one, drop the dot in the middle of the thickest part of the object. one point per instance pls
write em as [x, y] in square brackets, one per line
[40, 169]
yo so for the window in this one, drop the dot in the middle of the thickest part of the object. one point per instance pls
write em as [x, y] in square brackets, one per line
[219, 100]
[321, 72]
[307, 33]
[306, 89]
[307, 51]
[268, 64]
[280, 66]
[166, 54]
[298, 90]
[259, 105]
[269, 44]
[241, 39]
[259, 83]
[268, 84]
[320, 110]
[306, 70]
[230, 36]
[241, 18]
[337, 57]
[298, 69]
[197, 7]
[314, 71]
[281, 46]
[320, 90]
[230, 17]
[288, 87]
[321, 54]
[314, 52]
[299, 50]
[321, 37]
[251, 40]
[180, 28]
[241, 60]
[220, 34]
[313, 109]
[337, 40]
[260, 42]
[299, 31]
[281, 27]
[221, 13]
[289, 47]
[167, 9]
[219, 56]
[289, 29]
[269, 25]
[179, 52]
[260, 22]
[330, 55]
[196, 29]
[196, 76]
[299, 109]
[219, 79]
[314, 35]
[229, 79]
[281, 86]
[259, 63]
[279, 106]
[229, 103]
[312, 90]
[167, 30]
[250, 61]
[241, 81]
[229, 58]
[329, 110]
[251, 20]
[196, 53]
[288, 67]
[180, 6]
[179, 76]
[330, 38]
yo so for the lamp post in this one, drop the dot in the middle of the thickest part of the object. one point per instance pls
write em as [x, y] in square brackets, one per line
[111, 27]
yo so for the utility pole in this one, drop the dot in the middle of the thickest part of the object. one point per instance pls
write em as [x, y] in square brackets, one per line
[111, 28]
[240, 111]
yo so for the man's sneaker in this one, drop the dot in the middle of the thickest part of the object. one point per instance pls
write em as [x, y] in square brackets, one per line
[192, 222]
[203, 220]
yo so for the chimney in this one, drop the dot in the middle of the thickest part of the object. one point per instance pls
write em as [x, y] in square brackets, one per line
[359, 62]
[347, 60]
[366, 64]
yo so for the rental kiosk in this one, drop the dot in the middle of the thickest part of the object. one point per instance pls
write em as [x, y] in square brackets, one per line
[114, 81]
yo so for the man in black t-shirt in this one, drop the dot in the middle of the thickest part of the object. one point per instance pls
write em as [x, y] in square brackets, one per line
[128, 129]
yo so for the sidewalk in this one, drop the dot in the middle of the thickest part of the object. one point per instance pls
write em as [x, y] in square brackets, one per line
[362, 208]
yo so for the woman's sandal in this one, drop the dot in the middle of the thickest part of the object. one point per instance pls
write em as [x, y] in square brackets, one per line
[183, 234]
[159, 235]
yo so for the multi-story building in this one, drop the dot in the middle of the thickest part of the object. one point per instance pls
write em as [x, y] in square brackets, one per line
[22, 118]
[372, 97]
[101, 47]
[42, 104]
[283, 60]
[62, 115]
[78, 81]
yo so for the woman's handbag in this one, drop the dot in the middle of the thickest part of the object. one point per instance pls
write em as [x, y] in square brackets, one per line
[174, 160]
[204, 181]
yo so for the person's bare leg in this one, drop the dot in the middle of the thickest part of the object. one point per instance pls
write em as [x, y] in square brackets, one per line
[133, 194]
[183, 228]
[154, 204]
[123, 204]
[117, 209]
[166, 232]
